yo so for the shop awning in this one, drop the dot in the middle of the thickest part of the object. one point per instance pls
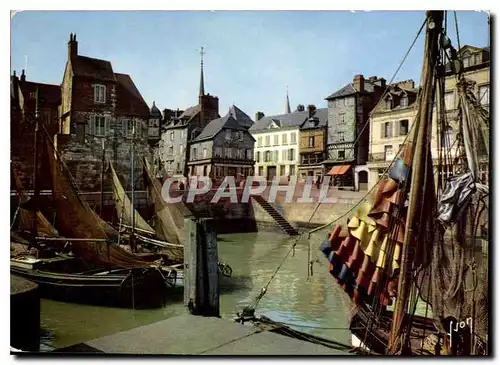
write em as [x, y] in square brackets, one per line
[339, 170]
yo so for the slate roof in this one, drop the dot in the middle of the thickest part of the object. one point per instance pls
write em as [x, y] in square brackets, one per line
[321, 114]
[129, 100]
[190, 112]
[242, 118]
[47, 93]
[93, 68]
[155, 111]
[216, 125]
[289, 120]
[349, 89]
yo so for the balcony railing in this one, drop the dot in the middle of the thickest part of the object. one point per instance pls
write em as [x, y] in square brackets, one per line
[381, 156]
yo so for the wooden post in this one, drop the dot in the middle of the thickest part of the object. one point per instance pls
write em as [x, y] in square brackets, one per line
[201, 272]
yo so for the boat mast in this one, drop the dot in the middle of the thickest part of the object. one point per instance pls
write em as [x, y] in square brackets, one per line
[36, 188]
[132, 210]
[102, 174]
[413, 233]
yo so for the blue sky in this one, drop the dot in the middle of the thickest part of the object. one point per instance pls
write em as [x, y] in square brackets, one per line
[251, 57]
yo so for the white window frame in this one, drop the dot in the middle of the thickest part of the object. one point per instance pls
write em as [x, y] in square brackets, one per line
[293, 137]
[259, 141]
[128, 125]
[284, 139]
[99, 93]
[480, 98]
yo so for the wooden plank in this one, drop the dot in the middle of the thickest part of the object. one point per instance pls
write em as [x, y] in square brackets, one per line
[211, 272]
[190, 261]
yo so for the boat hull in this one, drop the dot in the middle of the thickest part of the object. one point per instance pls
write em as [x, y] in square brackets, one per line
[136, 288]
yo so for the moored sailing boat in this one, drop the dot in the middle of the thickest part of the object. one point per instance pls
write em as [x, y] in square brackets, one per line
[99, 271]
[413, 243]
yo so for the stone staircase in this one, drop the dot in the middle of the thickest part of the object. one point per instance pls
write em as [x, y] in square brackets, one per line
[278, 218]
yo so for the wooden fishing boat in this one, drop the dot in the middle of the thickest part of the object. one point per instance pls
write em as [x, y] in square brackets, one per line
[101, 272]
[415, 241]
[119, 287]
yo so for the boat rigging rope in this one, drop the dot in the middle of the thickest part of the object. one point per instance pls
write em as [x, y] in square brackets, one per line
[456, 28]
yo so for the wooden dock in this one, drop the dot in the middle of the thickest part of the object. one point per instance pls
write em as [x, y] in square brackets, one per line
[198, 335]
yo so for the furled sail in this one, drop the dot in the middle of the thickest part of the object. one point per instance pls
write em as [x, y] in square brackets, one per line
[169, 216]
[76, 219]
[124, 207]
[43, 226]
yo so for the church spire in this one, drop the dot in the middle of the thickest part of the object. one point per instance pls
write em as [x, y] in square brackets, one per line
[202, 83]
[287, 107]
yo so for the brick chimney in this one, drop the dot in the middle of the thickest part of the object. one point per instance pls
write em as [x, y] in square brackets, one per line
[359, 83]
[72, 46]
[310, 110]
[300, 108]
[259, 116]
[381, 82]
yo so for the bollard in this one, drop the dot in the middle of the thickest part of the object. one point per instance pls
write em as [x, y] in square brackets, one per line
[201, 277]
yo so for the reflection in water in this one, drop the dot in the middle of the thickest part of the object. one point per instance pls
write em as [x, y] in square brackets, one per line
[315, 305]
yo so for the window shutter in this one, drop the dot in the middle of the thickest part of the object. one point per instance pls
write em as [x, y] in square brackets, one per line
[92, 125]
[107, 123]
[138, 128]
[382, 130]
[397, 128]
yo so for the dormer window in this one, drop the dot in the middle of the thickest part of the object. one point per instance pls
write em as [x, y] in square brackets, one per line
[99, 93]
[404, 102]
[388, 104]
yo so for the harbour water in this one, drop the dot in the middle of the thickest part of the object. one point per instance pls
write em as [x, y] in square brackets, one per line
[311, 304]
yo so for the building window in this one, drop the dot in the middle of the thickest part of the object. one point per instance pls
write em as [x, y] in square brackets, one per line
[388, 151]
[284, 139]
[404, 102]
[228, 152]
[128, 127]
[292, 170]
[340, 136]
[228, 134]
[99, 93]
[240, 136]
[466, 62]
[282, 170]
[249, 154]
[218, 151]
[283, 155]
[484, 94]
[194, 157]
[257, 156]
[259, 141]
[267, 156]
[293, 137]
[276, 140]
[387, 130]
[180, 149]
[449, 100]
[171, 150]
[204, 153]
[291, 154]
[477, 59]
[193, 134]
[98, 126]
[388, 104]
[276, 156]
[261, 170]
[447, 137]
[171, 136]
[268, 141]
[341, 154]
[341, 119]
[311, 141]
[403, 127]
